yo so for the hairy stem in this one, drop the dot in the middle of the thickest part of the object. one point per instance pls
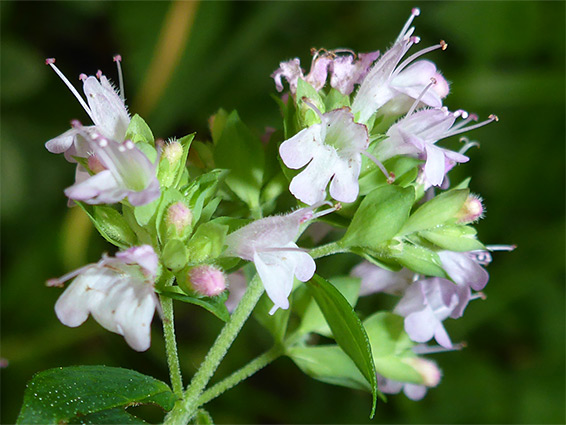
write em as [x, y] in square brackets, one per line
[245, 372]
[171, 346]
[328, 249]
[185, 409]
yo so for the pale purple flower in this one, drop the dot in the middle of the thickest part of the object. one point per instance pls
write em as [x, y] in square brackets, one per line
[416, 135]
[333, 151]
[427, 303]
[118, 292]
[346, 71]
[376, 279]
[270, 244]
[388, 79]
[106, 108]
[464, 269]
[127, 173]
[292, 71]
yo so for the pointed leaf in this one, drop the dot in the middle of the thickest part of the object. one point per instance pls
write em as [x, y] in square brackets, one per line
[139, 131]
[215, 305]
[347, 329]
[110, 224]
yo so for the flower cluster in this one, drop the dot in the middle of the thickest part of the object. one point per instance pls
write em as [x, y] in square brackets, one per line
[361, 130]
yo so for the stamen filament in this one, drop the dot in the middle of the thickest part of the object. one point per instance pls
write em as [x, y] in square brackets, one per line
[118, 60]
[411, 58]
[414, 12]
[472, 127]
[416, 102]
[51, 63]
[390, 176]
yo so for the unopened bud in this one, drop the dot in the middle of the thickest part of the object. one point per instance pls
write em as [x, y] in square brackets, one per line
[428, 370]
[207, 280]
[170, 162]
[471, 211]
[179, 219]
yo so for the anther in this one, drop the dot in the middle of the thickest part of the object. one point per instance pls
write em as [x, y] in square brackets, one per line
[415, 11]
[494, 117]
[98, 74]
[49, 61]
[117, 58]
[82, 76]
[443, 45]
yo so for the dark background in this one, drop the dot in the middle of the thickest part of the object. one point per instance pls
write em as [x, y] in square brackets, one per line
[503, 57]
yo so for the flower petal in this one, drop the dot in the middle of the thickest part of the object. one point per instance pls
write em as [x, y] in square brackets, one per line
[421, 325]
[276, 273]
[463, 270]
[309, 186]
[101, 188]
[297, 151]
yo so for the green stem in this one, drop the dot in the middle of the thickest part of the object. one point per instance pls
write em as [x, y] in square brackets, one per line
[185, 409]
[171, 346]
[328, 249]
[245, 372]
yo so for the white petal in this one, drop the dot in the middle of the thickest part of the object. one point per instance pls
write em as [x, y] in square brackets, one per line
[297, 151]
[463, 270]
[143, 255]
[109, 112]
[435, 164]
[304, 265]
[309, 186]
[421, 326]
[101, 188]
[414, 392]
[62, 142]
[344, 186]
[276, 273]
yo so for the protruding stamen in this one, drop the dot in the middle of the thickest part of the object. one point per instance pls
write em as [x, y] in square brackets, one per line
[478, 296]
[416, 55]
[461, 129]
[433, 349]
[118, 60]
[501, 247]
[98, 74]
[414, 12]
[58, 282]
[82, 76]
[389, 176]
[467, 145]
[416, 102]
[337, 206]
[51, 63]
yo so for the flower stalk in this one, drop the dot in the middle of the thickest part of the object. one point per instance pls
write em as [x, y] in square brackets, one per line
[186, 408]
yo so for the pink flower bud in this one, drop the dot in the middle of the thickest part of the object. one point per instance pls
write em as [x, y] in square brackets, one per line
[179, 216]
[207, 280]
[172, 152]
[471, 211]
[428, 370]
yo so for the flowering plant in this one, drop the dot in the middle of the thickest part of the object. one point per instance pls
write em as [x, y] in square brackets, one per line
[358, 154]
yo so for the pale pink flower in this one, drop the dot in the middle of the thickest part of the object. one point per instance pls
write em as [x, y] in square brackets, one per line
[127, 172]
[105, 107]
[118, 292]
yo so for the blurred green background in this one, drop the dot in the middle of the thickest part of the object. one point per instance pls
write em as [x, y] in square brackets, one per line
[504, 57]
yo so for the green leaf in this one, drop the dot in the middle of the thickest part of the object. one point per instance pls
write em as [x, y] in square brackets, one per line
[217, 124]
[175, 255]
[439, 210]
[207, 242]
[239, 151]
[116, 416]
[453, 238]
[58, 395]
[307, 116]
[313, 319]
[111, 225]
[202, 417]
[144, 213]
[139, 131]
[336, 100]
[328, 363]
[379, 217]
[420, 260]
[347, 329]
[215, 305]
